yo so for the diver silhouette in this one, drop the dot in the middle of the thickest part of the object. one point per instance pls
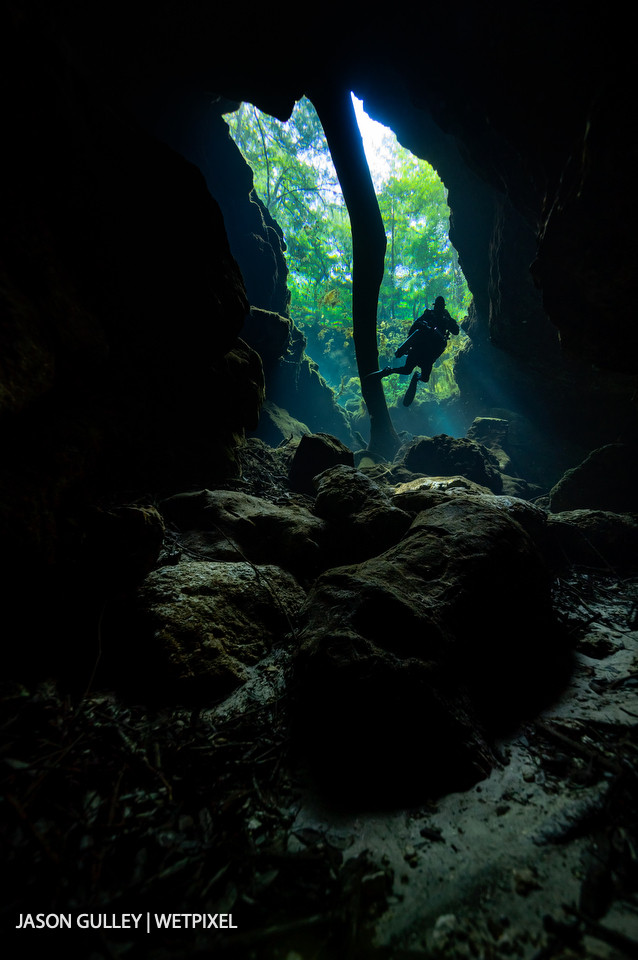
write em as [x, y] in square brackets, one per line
[427, 339]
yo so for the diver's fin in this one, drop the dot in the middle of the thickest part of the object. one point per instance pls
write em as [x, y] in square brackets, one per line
[379, 373]
[410, 393]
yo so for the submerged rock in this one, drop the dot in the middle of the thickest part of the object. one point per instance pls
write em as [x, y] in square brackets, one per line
[605, 480]
[267, 332]
[406, 656]
[426, 492]
[314, 454]
[210, 621]
[276, 424]
[492, 433]
[423, 492]
[363, 520]
[444, 456]
[230, 525]
[123, 543]
[596, 538]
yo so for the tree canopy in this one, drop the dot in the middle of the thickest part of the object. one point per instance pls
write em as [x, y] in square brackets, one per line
[295, 178]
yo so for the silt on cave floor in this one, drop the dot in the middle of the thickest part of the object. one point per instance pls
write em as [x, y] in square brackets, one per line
[123, 808]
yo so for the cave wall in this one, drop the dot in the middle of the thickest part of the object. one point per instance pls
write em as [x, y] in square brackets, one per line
[192, 122]
[123, 306]
[120, 356]
[523, 112]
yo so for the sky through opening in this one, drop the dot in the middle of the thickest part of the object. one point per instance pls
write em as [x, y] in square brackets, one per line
[375, 137]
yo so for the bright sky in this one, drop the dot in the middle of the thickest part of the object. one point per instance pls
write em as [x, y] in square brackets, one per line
[373, 135]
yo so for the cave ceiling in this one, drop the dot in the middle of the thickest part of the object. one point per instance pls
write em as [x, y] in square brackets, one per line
[531, 96]
[529, 100]
[509, 80]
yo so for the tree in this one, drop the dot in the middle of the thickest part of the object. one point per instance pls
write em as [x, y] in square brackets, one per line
[336, 112]
[422, 264]
[292, 171]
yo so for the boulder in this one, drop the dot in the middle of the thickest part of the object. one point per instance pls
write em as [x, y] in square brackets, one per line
[595, 538]
[427, 492]
[444, 456]
[230, 525]
[314, 454]
[205, 623]
[420, 493]
[405, 656]
[605, 480]
[517, 487]
[492, 433]
[361, 516]
[122, 544]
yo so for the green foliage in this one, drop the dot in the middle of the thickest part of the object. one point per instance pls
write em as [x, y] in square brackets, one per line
[295, 178]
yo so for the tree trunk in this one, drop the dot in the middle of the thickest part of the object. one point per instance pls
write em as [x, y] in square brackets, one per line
[336, 112]
[393, 285]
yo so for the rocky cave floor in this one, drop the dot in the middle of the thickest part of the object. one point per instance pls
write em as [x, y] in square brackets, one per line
[113, 806]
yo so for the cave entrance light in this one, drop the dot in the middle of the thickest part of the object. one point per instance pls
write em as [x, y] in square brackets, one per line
[295, 178]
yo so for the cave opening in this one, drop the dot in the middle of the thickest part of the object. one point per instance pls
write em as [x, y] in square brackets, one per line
[295, 180]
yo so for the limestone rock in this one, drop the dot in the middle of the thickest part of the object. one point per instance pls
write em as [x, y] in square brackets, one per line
[268, 333]
[596, 538]
[605, 480]
[492, 433]
[427, 492]
[230, 525]
[123, 543]
[450, 456]
[210, 621]
[298, 386]
[402, 653]
[315, 454]
[344, 491]
[276, 424]
[362, 517]
[423, 492]
[517, 487]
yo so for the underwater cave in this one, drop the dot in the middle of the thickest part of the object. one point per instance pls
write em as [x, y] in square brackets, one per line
[298, 664]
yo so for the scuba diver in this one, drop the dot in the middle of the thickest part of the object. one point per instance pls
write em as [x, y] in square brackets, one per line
[427, 339]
